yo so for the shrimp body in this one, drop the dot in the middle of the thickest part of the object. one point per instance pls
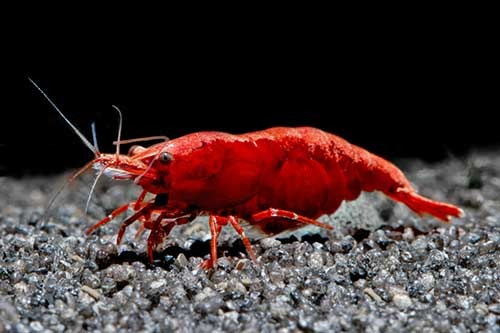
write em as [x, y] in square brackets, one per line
[276, 180]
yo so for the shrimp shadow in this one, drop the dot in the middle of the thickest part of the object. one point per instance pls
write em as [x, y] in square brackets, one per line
[232, 248]
[200, 249]
[166, 258]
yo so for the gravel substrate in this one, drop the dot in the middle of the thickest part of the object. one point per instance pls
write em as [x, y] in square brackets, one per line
[404, 273]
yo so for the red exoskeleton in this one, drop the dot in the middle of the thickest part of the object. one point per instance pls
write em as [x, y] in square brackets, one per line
[276, 180]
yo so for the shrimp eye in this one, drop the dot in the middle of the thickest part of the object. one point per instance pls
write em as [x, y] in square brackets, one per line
[166, 157]
[135, 149]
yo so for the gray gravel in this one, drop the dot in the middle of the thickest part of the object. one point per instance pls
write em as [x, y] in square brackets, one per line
[382, 270]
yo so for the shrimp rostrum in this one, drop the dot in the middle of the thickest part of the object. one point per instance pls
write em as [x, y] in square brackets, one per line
[275, 180]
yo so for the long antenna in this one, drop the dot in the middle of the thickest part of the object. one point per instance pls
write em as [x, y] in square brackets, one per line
[82, 137]
[62, 186]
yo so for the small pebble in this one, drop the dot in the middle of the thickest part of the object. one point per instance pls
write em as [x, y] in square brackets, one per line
[370, 292]
[95, 294]
[401, 300]
[495, 308]
[181, 260]
[269, 242]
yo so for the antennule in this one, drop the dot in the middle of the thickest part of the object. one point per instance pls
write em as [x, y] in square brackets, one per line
[146, 138]
[94, 136]
[82, 137]
[119, 132]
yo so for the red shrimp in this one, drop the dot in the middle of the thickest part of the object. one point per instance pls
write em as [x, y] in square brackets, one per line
[275, 180]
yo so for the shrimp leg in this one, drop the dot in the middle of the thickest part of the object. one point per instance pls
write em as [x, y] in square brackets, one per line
[272, 214]
[215, 223]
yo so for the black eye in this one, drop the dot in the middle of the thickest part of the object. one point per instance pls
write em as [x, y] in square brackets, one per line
[166, 157]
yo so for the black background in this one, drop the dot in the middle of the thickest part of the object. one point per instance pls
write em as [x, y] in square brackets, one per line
[413, 92]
